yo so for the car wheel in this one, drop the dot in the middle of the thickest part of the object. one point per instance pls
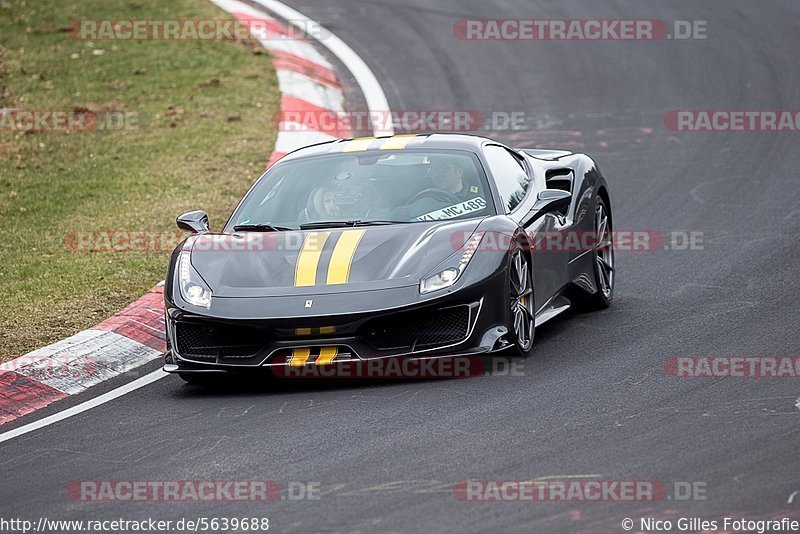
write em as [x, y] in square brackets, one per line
[522, 327]
[603, 256]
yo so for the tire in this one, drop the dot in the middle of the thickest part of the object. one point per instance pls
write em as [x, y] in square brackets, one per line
[522, 324]
[602, 259]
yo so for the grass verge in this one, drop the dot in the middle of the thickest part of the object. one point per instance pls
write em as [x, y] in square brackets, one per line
[198, 131]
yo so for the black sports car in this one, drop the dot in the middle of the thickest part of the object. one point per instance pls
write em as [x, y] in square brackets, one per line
[413, 246]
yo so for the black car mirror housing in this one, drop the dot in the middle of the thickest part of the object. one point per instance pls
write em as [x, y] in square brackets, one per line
[195, 222]
[550, 200]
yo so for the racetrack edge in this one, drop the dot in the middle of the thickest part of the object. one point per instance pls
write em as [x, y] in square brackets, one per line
[136, 335]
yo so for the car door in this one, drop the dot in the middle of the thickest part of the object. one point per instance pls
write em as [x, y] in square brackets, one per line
[514, 179]
[546, 227]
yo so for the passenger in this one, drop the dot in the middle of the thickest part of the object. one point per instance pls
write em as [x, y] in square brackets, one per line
[329, 205]
[321, 205]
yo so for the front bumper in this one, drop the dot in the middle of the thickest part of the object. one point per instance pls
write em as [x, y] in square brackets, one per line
[471, 320]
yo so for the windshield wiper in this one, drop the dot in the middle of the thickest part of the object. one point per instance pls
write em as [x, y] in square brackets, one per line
[261, 227]
[342, 224]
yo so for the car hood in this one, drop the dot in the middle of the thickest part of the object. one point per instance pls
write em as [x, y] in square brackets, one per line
[335, 260]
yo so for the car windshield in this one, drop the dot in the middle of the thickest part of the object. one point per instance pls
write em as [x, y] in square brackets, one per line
[368, 187]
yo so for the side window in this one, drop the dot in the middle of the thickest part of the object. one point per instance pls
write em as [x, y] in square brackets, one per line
[509, 175]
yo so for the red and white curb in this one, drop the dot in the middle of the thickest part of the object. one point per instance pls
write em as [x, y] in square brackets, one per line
[307, 81]
[135, 336]
[119, 344]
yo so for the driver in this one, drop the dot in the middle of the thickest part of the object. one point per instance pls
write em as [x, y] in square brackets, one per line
[450, 177]
[322, 203]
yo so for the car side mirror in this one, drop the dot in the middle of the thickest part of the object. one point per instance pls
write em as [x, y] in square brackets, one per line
[195, 222]
[551, 200]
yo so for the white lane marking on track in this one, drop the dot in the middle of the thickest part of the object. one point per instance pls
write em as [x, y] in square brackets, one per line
[295, 47]
[84, 406]
[365, 78]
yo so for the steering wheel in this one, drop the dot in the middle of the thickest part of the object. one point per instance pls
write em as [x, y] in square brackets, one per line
[436, 194]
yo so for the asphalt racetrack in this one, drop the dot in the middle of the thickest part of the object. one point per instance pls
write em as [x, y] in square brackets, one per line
[594, 400]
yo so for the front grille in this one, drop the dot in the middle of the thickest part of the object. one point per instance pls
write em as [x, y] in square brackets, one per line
[209, 342]
[416, 331]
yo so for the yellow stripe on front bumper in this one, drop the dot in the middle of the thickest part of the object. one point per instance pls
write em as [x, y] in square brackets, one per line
[302, 331]
[358, 145]
[300, 357]
[327, 329]
[342, 259]
[327, 355]
[398, 142]
[305, 272]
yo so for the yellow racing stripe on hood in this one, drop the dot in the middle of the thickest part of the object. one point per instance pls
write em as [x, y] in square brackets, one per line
[342, 259]
[305, 272]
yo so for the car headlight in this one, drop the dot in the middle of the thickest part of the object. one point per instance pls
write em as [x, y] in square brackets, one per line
[193, 289]
[450, 275]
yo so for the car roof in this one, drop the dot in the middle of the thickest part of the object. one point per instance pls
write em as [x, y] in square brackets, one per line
[394, 142]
